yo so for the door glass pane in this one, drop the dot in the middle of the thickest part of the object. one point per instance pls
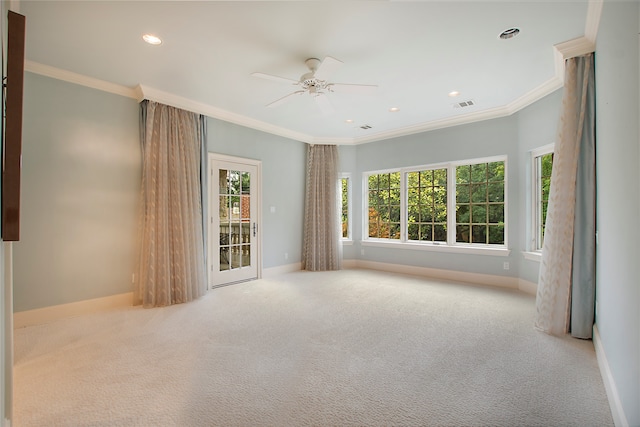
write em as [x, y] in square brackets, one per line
[224, 258]
[234, 182]
[246, 183]
[223, 181]
[235, 257]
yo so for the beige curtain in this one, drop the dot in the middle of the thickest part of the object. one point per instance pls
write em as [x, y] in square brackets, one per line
[567, 269]
[322, 249]
[171, 264]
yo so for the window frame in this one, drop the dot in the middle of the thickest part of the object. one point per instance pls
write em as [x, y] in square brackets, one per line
[347, 176]
[451, 245]
[536, 193]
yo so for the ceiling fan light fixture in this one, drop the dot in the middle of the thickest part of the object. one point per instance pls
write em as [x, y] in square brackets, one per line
[509, 33]
[151, 39]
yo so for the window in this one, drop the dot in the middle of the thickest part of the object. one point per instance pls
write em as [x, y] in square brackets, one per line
[384, 205]
[345, 213]
[427, 205]
[541, 182]
[455, 204]
[480, 203]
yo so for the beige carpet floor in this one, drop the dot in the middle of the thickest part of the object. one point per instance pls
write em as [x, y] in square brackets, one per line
[348, 348]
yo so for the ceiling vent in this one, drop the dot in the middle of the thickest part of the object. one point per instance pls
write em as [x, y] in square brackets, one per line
[464, 104]
[365, 127]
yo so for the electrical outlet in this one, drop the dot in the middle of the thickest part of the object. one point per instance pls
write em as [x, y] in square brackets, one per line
[505, 265]
[361, 251]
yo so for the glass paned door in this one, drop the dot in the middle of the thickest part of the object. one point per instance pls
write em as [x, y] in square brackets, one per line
[234, 227]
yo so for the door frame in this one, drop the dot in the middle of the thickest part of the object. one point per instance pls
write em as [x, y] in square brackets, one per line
[211, 239]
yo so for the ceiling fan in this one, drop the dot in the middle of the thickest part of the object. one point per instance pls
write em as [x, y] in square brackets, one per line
[315, 83]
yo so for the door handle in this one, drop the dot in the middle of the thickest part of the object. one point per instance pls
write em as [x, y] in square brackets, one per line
[255, 229]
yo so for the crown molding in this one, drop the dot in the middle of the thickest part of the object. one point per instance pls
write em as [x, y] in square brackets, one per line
[79, 79]
[152, 94]
[594, 12]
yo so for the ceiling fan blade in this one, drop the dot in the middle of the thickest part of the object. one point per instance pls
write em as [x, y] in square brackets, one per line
[323, 102]
[327, 67]
[284, 99]
[352, 88]
[275, 78]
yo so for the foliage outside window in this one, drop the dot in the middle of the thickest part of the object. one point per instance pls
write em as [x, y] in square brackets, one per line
[480, 203]
[453, 204]
[542, 166]
[427, 205]
[384, 206]
[344, 197]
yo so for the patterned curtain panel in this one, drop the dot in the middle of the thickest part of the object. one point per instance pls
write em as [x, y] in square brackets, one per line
[322, 249]
[171, 264]
[567, 270]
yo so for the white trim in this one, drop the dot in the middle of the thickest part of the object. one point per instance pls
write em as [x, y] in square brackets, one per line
[210, 111]
[434, 273]
[79, 79]
[44, 315]
[528, 287]
[281, 269]
[435, 247]
[594, 12]
[617, 412]
[532, 256]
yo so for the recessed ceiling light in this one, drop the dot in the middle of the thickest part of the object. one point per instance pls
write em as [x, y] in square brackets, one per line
[151, 39]
[394, 109]
[509, 33]
[349, 121]
[454, 93]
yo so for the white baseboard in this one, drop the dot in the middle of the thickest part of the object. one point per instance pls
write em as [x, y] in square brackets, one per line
[435, 273]
[281, 269]
[528, 287]
[44, 315]
[619, 418]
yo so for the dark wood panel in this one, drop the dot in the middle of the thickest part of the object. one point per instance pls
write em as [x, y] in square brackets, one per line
[13, 128]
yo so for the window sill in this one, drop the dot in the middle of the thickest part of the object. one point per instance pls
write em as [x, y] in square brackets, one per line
[533, 256]
[459, 249]
[346, 242]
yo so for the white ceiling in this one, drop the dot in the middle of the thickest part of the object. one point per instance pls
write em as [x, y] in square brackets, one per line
[415, 51]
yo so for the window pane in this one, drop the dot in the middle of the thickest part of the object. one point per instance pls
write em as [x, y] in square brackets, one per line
[544, 167]
[479, 172]
[479, 214]
[463, 174]
[462, 192]
[479, 193]
[462, 214]
[373, 182]
[413, 231]
[344, 196]
[481, 203]
[496, 234]
[496, 213]
[462, 233]
[495, 171]
[440, 233]
[426, 232]
[384, 205]
[478, 234]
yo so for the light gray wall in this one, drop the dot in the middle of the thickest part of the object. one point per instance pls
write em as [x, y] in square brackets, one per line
[482, 139]
[537, 127]
[80, 191]
[283, 184]
[618, 162]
